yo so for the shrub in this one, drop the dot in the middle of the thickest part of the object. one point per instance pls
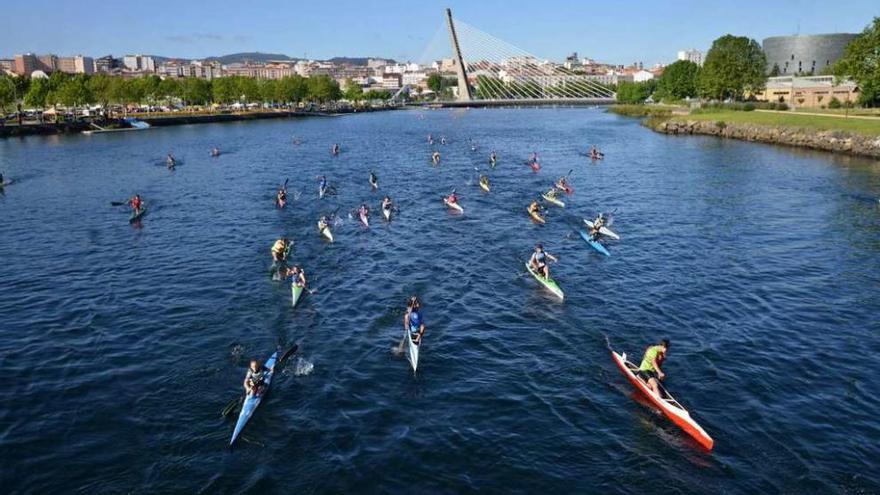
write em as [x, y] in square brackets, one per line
[834, 103]
[749, 107]
[720, 124]
[782, 106]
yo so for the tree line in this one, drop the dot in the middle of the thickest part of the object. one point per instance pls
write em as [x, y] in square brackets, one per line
[736, 66]
[80, 90]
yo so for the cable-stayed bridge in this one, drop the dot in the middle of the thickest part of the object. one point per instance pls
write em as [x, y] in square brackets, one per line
[492, 72]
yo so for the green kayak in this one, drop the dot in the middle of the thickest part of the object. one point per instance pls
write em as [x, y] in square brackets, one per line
[549, 283]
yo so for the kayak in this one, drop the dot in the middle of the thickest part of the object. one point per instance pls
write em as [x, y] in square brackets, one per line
[280, 203]
[535, 217]
[550, 284]
[596, 244]
[295, 291]
[326, 232]
[604, 230]
[454, 206]
[321, 192]
[553, 200]
[374, 184]
[535, 166]
[387, 213]
[135, 216]
[412, 350]
[667, 404]
[252, 401]
[7, 183]
[485, 186]
[364, 220]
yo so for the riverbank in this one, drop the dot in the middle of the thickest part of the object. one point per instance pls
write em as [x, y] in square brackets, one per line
[182, 118]
[851, 136]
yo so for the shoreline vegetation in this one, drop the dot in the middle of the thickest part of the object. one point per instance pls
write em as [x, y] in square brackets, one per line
[856, 135]
[177, 118]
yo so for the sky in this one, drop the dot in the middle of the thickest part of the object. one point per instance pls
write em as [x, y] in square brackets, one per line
[608, 31]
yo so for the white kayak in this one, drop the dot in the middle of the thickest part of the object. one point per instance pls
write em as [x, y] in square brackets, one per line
[325, 232]
[387, 213]
[454, 206]
[412, 350]
[364, 219]
[553, 200]
[252, 401]
[604, 230]
[295, 292]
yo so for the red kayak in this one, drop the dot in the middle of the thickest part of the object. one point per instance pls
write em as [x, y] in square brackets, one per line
[667, 404]
[535, 166]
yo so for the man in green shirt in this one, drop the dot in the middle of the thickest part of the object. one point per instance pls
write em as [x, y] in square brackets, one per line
[650, 370]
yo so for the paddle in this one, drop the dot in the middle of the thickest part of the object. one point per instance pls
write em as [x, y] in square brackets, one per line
[118, 203]
[234, 403]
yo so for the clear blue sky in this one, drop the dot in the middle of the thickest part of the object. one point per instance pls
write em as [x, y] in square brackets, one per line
[609, 31]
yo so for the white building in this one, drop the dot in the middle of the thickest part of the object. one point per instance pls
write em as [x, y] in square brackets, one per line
[692, 55]
[642, 76]
[139, 63]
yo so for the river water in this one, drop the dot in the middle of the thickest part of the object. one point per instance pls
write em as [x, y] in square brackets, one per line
[121, 344]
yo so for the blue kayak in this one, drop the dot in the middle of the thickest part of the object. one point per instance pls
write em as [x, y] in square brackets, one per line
[252, 401]
[592, 242]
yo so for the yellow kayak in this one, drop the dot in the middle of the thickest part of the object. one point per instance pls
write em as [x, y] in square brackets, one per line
[536, 218]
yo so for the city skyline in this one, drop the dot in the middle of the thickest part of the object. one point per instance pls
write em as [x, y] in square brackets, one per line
[401, 31]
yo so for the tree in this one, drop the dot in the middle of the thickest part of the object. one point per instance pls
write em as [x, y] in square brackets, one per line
[247, 88]
[774, 72]
[37, 93]
[8, 94]
[679, 81]
[633, 92]
[861, 63]
[168, 90]
[734, 65]
[223, 90]
[435, 82]
[353, 92]
[75, 92]
[377, 94]
[99, 85]
[195, 91]
[292, 89]
[323, 88]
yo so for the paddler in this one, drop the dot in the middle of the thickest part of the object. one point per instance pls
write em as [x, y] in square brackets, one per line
[170, 161]
[598, 223]
[650, 370]
[562, 184]
[374, 181]
[335, 150]
[364, 211]
[535, 208]
[387, 204]
[134, 202]
[484, 181]
[443, 140]
[452, 198]
[281, 197]
[323, 224]
[493, 158]
[595, 154]
[552, 193]
[430, 139]
[297, 275]
[435, 157]
[413, 321]
[323, 185]
[215, 152]
[256, 376]
[280, 249]
[539, 259]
